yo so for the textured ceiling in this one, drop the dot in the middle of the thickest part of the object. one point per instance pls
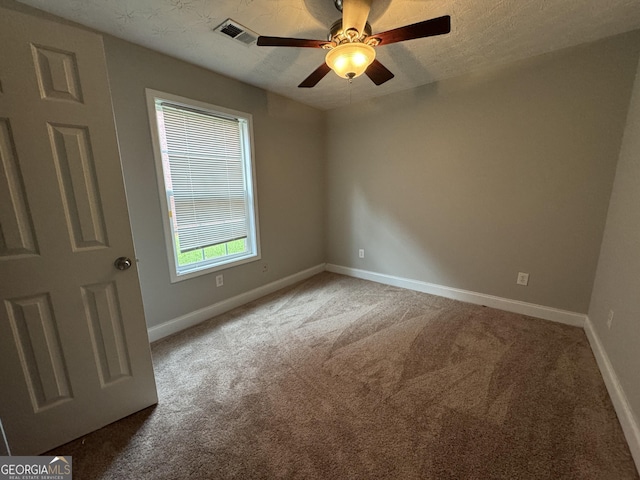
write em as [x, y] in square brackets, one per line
[484, 33]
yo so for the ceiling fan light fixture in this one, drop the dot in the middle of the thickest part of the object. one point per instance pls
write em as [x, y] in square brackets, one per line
[350, 60]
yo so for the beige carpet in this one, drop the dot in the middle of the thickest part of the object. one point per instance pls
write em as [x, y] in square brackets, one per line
[339, 378]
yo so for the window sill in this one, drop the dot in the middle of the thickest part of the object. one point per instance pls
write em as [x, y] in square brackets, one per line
[196, 271]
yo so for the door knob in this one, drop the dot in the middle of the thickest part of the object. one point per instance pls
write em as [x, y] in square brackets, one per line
[122, 263]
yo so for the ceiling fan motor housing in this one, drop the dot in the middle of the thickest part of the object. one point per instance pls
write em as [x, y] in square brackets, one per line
[339, 36]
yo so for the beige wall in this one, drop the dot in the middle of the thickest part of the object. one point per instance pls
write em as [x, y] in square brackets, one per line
[617, 284]
[461, 183]
[289, 156]
[468, 181]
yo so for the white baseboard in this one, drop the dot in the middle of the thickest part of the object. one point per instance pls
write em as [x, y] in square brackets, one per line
[626, 416]
[193, 318]
[190, 319]
[524, 308]
[5, 451]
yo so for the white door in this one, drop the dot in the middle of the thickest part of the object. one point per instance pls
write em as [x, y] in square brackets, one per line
[74, 351]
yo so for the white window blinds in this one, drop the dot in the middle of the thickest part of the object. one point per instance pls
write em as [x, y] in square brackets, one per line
[208, 184]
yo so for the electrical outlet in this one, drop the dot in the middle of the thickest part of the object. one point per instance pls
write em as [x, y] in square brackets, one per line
[523, 279]
[361, 253]
[610, 319]
[265, 268]
[219, 280]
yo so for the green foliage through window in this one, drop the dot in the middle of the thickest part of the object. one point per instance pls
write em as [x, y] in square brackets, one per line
[214, 251]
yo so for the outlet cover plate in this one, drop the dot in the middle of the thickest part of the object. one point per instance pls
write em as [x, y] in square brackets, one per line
[523, 279]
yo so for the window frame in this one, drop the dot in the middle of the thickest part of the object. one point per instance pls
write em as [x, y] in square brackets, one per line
[212, 265]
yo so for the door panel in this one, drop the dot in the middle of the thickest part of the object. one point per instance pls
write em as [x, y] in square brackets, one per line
[57, 74]
[16, 227]
[102, 305]
[77, 181]
[37, 339]
[74, 351]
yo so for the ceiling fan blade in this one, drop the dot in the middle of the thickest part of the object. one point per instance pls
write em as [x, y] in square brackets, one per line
[428, 28]
[355, 14]
[289, 42]
[317, 75]
[378, 73]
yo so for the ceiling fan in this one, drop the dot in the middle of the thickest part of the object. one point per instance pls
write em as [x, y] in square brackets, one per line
[351, 44]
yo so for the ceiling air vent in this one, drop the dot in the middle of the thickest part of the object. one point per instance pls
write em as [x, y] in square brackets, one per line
[236, 31]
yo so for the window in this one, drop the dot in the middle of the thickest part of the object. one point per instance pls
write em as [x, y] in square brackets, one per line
[205, 169]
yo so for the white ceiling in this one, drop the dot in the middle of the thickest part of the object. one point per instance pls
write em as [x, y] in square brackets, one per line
[484, 33]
